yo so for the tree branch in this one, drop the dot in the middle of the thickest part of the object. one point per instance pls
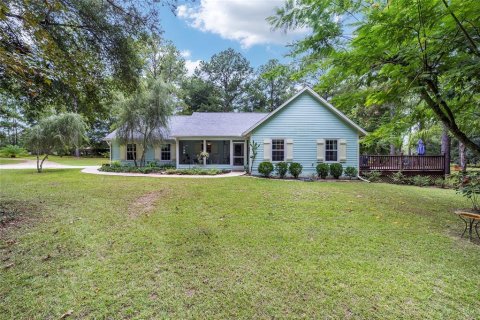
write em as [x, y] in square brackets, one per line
[465, 32]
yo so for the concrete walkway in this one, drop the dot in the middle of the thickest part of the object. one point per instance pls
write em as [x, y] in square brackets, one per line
[94, 170]
[32, 164]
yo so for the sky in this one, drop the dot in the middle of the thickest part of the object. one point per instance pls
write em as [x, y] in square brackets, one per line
[202, 28]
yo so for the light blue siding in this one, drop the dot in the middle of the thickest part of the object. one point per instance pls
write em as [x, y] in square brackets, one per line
[305, 120]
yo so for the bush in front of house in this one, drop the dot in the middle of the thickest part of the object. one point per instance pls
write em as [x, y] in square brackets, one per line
[322, 170]
[281, 169]
[351, 172]
[295, 169]
[197, 171]
[265, 168]
[336, 170]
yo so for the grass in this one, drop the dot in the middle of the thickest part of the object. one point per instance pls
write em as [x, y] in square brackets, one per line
[10, 161]
[121, 247]
[74, 161]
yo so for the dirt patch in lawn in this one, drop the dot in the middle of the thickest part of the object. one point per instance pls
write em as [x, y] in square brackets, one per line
[145, 204]
[14, 213]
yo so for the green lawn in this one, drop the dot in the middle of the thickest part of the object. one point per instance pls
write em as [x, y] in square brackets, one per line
[74, 161]
[122, 247]
[10, 161]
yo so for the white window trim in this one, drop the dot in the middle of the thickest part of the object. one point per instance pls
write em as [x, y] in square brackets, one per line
[284, 150]
[338, 145]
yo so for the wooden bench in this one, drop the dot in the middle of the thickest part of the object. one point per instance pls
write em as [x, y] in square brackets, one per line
[472, 221]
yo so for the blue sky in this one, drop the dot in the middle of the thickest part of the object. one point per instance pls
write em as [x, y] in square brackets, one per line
[205, 27]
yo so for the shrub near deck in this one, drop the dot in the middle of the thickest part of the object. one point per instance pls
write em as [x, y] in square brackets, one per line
[233, 248]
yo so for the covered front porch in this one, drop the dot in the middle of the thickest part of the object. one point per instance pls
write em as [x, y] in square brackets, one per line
[223, 152]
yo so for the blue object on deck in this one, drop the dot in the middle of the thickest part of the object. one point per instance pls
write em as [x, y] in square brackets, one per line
[421, 148]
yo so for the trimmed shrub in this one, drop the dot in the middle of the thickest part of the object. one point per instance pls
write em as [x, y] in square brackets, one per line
[322, 170]
[295, 169]
[421, 181]
[351, 172]
[336, 170]
[281, 169]
[11, 151]
[265, 168]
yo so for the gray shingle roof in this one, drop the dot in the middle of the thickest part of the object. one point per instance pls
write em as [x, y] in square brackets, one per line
[210, 124]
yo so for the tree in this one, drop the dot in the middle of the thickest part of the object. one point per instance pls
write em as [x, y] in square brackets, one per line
[392, 51]
[275, 79]
[56, 133]
[164, 60]
[229, 72]
[144, 116]
[12, 122]
[69, 54]
[200, 96]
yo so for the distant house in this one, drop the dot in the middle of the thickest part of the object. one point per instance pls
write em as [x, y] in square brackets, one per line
[305, 129]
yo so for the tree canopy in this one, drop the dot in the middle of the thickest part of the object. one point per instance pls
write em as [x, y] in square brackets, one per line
[143, 117]
[56, 133]
[412, 58]
[70, 53]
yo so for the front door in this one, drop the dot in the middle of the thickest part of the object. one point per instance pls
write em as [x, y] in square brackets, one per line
[238, 154]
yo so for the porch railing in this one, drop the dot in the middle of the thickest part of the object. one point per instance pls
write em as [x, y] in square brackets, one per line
[424, 164]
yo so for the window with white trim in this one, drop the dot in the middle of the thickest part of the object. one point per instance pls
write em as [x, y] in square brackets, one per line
[165, 152]
[131, 151]
[278, 150]
[331, 150]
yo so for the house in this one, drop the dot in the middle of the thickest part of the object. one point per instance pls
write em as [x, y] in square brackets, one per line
[305, 129]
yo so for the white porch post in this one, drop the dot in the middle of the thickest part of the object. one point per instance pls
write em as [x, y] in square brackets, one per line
[110, 146]
[231, 152]
[245, 155]
[204, 150]
[177, 151]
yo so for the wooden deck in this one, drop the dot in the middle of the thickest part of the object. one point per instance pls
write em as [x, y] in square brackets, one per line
[423, 165]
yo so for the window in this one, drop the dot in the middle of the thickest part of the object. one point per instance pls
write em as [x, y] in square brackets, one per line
[331, 150]
[278, 150]
[165, 152]
[131, 151]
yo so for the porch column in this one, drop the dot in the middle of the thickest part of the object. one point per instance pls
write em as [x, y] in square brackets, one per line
[110, 147]
[177, 161]
[245, 154]
[231, 152]
[204, 150]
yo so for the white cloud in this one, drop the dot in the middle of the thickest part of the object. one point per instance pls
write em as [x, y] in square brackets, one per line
[191, 65]
[239, 20]
[186, 53]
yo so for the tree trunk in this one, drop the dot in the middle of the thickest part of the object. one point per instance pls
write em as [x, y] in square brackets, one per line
[462, 157]
[446, 148]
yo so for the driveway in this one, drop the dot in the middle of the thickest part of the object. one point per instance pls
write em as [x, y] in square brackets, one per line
[32, 164]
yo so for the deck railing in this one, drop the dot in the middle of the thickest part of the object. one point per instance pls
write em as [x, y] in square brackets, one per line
[403, 163]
